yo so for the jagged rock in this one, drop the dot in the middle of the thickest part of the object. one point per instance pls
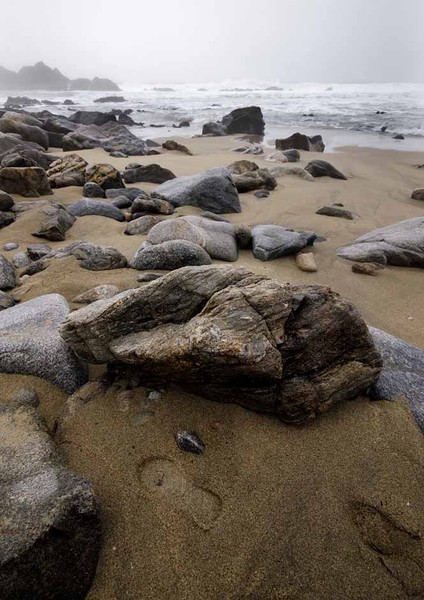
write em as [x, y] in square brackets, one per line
[274, 241]
[212, 190]
[51, 530]
[245, 120]
[169, 255]
[106, 176]
[92, 117]
[217, 238]
[299, 141]
[335, 211]
[131, 193]
[100, 292]
[254, 180]
[151, 205]
[173, 145]
[234, 336]
[113, 137]
[67, 171]
[28, 181]
[9, 141]
[306, 262]
[37, 251]
[142, 225]
[239, 167]
[403, 373]
[28, 133]
[93, 190]
[21, 260]
[59, 125]
[401, 244]
[366, 268]
[6, 301]
[98, 258]
[87, 206]
[6, 201]
[7, 274]
[30, 343]
[281, 171]
[322, 168]
[418, 194]
[150, 173]
[53, 222]
[255, 149]
[22, 156]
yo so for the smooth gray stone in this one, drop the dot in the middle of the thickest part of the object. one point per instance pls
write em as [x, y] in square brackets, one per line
[170, 255]
[21, 260]
[10, 246]
[88, 207]
[31, 345]
[274, 241]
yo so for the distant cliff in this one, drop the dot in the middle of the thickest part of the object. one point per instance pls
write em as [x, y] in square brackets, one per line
[42, 77]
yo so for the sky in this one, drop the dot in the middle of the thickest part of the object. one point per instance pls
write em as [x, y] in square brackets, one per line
[177, 41]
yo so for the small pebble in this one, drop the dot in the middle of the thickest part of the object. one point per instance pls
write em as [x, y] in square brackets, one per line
[306, 262]
[10, 246]
[189, 442]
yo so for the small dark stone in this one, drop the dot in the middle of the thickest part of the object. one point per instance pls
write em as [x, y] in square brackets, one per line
[189, 442]
[335, 211]
[399, 136]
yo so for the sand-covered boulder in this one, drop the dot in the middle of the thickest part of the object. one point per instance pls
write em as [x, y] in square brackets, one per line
[31, 345]
[52, 222]
[212, 190]
[29, 181]
[149, 173]
[29, 133]
[403, 373]
[273, 241]
[169, 255]
[238, 167]
[106, 176]
[299, 141]
[87, 206]
[322, 168]
[7, 274]
[130, 192]
[67, 171]
[237, 337]
[254, 180]
[51, 531]
[401, 244]
[300, 172]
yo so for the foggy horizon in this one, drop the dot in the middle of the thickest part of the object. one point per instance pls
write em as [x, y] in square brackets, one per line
[282, 41]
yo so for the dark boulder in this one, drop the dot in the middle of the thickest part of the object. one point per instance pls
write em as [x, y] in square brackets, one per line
[92, 117]
[87, 206]
[245, 120]
[27, 181]
[170, 255]
[147, 173]
[299, 141]
[322, 168]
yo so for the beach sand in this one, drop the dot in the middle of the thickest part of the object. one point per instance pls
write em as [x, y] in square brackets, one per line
[327, 511]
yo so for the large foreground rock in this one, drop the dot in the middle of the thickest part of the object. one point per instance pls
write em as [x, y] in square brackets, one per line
[212, 190]
[29, 181]
[403, 373]
[31, 345]
[237, 337]
[401, 244]
[273, 241]
[50, 523]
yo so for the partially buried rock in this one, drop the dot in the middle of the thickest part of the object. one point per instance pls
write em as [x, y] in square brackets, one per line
[274, 241]
[6, 201]
[148, 173]
[131, 193]
[6, 301]
[335, 211]
[142, 225]
[148, 277]
[28, 181]
[173, 145]
[367, 268]
[93, 190]
[234, 336]
[402, 376]
[106, 176]
[299, 141]
[306, 262]
[189, 442]
[170, 255]
[281, 171]
[261, 194]
[99, 258]
[254, 180]
[401, 244]
[31, 345]
[37, 251]
[212, 190]
[100, 292]
[151, 205]
[87, 207]
[239, 167]
[35, 267]
[418, 194]
[243, 237]
[53, 222]
[51, 530]
[322, 168]
[6, 219]
[7, 274]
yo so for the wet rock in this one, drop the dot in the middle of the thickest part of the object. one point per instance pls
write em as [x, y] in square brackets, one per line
[402, 376]
[6, 301]
[212, 190]
[67, 171]
[322, 168]
[367, 268]
[149, 173]
[292, 155]
[7, 274]
[100, 292]
[398, 136]
[401, 244]
[53, 222]
[189, 442]
[30, 343]
[306, 262]
[417, 194]
[173, 145]
[6, 201]
[299, 141]
[106, 176]
[274, 241]
[310, 348]
[214, 129]
[142, 225]
[254, 180]
[151, 205]
[335, 211]
[99, 258]
[170, 255]
[87, 206]
[51, 544]
[27, 181]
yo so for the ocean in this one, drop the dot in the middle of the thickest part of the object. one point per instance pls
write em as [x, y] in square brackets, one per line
[350, 114]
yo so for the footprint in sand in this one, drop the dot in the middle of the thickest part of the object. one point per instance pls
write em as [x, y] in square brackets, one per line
[163, 480]
[401, 551]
